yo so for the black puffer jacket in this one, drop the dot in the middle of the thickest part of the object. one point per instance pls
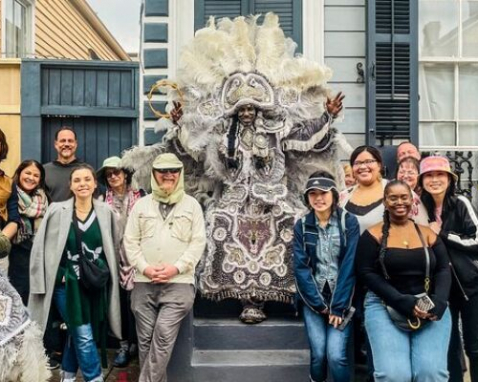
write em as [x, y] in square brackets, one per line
[460, 234]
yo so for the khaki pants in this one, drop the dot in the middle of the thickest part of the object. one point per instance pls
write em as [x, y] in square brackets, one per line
[158, 310]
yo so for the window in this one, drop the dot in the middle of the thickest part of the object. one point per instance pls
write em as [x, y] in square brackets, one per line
[17, 23]
[289, 12]
[448, 74]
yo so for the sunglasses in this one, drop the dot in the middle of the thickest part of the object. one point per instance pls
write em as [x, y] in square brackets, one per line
[168, 170]
[110, 173]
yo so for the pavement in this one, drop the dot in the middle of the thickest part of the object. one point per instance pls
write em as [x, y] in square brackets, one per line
[131, 373]
[127, 374]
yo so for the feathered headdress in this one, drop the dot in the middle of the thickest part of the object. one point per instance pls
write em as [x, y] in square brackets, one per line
[236, 62]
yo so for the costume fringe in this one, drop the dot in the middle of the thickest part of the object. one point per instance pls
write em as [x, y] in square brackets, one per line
[257, 296]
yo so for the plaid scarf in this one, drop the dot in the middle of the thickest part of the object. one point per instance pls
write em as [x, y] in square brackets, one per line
[129, 200]
[31, 208]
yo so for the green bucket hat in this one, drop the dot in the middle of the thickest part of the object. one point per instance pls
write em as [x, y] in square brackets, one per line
[111, 162]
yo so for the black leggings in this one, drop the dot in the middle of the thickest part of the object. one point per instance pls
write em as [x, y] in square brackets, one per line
[468, 311]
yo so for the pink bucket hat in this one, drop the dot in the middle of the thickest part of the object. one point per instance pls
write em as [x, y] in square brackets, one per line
[436, 163]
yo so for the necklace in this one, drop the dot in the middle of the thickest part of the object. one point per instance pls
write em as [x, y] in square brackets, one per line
[82, 211]
[406, 240]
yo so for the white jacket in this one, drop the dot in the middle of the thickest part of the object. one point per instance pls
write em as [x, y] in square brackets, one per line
[179, 239]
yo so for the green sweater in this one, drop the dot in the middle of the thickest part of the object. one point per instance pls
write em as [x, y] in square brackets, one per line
[84, 307]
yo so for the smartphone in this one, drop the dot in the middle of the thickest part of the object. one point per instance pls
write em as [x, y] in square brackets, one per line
[424, 302]
[347, 318]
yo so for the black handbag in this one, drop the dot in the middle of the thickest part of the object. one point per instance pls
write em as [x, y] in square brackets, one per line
[92, 276]
[401, 321]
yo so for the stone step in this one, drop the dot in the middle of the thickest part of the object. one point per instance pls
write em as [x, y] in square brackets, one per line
[232, 308]
[250, 365]
[231, 334]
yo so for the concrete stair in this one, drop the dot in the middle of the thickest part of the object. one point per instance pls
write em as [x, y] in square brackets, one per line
[227, 350]
[250, 365]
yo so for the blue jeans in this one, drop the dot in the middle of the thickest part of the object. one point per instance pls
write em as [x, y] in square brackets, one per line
[328, 347]
[80, 348]
[400, 356]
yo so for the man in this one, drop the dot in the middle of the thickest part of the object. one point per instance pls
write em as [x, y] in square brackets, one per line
[407, 149]
[57, 180]
[164, 240]
[57, 173]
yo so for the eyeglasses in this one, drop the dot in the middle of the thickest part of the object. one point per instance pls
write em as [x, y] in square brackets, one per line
[168, 170]
[366, 162]
[408, 173]
[115, 172]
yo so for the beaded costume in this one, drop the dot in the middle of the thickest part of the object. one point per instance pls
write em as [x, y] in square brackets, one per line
[247, 176]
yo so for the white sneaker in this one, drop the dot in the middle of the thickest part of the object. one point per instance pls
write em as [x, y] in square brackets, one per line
[67, 377]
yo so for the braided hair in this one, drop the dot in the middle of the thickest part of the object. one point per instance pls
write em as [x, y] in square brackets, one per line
[231, 143]
[386, 225]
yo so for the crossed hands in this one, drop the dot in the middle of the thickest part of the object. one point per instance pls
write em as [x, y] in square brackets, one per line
[333, 320]
[159, 274]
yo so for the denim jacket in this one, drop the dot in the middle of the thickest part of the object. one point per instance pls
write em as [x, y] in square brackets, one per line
[305, 262]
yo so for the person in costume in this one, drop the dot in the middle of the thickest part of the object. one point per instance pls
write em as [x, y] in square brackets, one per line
[73, 248]
[251, 122]
[22, 357]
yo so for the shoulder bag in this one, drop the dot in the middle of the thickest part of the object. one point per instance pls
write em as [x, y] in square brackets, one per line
[92, 276]
[401, 321]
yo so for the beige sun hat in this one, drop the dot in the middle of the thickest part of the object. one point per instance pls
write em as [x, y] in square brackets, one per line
[111, 162]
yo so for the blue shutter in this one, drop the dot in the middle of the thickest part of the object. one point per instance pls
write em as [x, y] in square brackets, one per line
[219, 9]
[289, 12]
[392, 61]
[290, 16]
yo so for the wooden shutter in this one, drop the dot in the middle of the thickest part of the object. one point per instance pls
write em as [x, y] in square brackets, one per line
[392, 81]
[219, 9]
[290, 16]
[289, 12]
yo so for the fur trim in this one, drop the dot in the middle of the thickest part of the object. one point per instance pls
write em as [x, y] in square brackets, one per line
[24, 359]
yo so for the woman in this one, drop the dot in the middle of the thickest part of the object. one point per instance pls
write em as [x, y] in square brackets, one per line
[456, 222]
[121, 197]
[32, 201]
[365, 201]
[398, 261]
[349, 176]
[77, 235]
[407, 171]
[8, 211]
[324, 245]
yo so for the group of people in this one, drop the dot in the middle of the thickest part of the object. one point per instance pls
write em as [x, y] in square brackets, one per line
[410, 248]
[88, 246]
[109, 258]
